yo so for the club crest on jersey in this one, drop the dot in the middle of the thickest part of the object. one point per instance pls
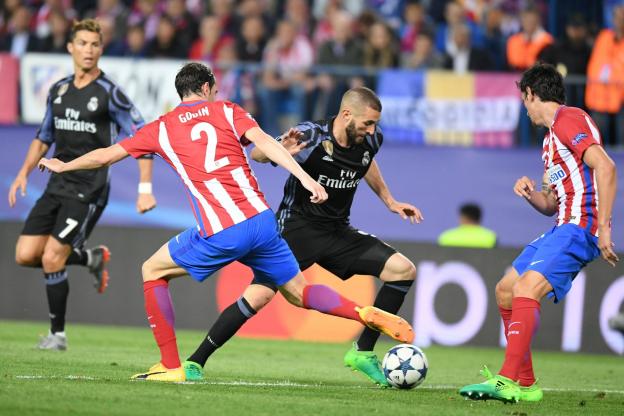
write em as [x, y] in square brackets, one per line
[577, 139]
[329, 147]
[92, 105]
[366, 158]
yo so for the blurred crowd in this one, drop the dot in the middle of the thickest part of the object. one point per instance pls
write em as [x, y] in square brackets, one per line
[289, 37]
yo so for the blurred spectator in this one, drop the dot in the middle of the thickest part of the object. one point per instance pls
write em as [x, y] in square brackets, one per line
[253, 8]
[56, 41]
[42, 16]
[380, 49]
[524, 47]
[605, 79]
[470, 232]
[424, 55]
[494, 41]
[464, 57]
[211, 39]
[341, 49]
[571, 55]
[389, 11]
[365, 22]
[185, 24]
[416, 22]
[223, 10]
[298, 12]
[250, 45]
[454, 15]
[287, 57]
[323, 28]
[234, 83]
[146, 14]
[136, 46]
[19, 39]
[118, 14]
[165, 44]
[7, 8]
[112, 47]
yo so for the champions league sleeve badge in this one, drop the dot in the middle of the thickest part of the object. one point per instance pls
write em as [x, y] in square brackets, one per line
[328, 146]
[61, 91]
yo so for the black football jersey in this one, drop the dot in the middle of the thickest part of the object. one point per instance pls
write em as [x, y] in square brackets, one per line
[337, 168]
[78, 121]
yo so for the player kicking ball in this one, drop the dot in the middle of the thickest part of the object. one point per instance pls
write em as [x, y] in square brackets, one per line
[577, 174]
[203, 140]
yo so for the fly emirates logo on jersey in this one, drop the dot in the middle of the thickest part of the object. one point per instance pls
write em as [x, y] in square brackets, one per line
[71, 122]
[347, 180]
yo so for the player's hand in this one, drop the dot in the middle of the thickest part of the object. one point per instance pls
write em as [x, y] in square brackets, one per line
[292, 142]
[406, 211]
[319, 195]
[524, 187]
[145, 202]
[19, 183]
[53, 165]
[606, 246]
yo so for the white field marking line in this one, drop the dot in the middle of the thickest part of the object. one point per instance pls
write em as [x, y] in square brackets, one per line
[244, 383]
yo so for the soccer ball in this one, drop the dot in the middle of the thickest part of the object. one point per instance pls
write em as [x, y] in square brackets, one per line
[405, 366]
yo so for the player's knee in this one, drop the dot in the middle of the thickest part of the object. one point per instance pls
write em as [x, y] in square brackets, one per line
[503, 293]
[53, 260]
[399, 268]
[27, 258]
[148, 271]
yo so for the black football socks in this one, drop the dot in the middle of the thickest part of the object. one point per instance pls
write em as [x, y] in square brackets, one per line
[57, 289]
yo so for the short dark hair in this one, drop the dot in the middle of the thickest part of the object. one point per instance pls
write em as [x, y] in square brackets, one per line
[90, 25]
[363, 96]
[471, 211]
[544, 81]
[191, 77]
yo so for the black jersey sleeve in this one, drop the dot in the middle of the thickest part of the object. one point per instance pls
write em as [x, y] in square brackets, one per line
[125, 114]
[375, 140]
[46, 129]
[311, 135]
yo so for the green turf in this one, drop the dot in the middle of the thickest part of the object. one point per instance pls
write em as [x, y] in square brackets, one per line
[253, 377]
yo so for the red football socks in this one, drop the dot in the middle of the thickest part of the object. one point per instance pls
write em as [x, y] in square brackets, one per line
[161, 318]
[325, 300]
[527, 377]
[524, 321]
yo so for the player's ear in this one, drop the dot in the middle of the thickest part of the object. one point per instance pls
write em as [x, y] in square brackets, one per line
[70, 47]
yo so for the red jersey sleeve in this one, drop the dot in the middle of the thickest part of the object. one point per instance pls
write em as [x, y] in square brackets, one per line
[145, 141]
[243, 121]
[577, 131]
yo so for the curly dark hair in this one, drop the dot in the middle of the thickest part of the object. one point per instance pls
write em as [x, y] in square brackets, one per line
[544, 81]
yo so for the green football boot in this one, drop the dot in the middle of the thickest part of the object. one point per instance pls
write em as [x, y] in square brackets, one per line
[193, 371]
[367, 363]
[494, 388]
[532, 393]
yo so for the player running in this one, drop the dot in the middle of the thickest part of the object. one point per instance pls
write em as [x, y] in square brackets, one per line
[85, 111]
[577, 175]
[203, 141]
[338, 153]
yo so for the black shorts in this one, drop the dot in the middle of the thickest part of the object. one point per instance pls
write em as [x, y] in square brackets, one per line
[340, 249]
[67, 220]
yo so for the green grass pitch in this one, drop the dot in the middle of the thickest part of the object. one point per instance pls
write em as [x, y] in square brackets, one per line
[259, 377]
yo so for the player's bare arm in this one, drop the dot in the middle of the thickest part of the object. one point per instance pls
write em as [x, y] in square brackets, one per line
[145, 200]
[375, 180]
[291, 140]
[544, 200]
[606, 180]
[95, 159]
[36, 151]
[278, 154]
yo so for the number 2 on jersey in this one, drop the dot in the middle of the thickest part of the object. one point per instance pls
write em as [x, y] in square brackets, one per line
[211, 148]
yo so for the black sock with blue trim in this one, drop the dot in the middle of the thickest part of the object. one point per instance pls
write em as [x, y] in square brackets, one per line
[226, 325]
[57, 290]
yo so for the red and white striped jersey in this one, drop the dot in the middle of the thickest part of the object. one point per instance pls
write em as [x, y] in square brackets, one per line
[573, 182]
[203, 141]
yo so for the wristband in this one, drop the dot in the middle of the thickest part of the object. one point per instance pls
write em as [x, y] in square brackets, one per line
[145, 187]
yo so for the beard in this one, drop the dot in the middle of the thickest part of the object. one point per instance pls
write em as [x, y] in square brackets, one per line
[352, 136]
